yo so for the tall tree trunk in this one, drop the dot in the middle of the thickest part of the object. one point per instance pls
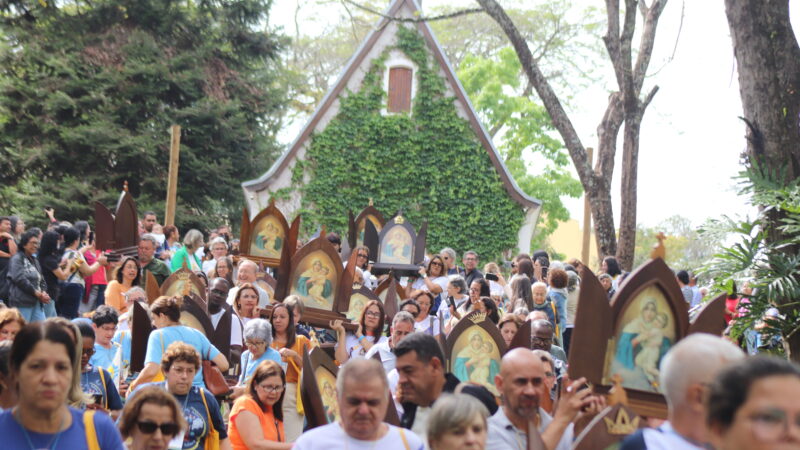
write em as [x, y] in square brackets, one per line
[768, 62]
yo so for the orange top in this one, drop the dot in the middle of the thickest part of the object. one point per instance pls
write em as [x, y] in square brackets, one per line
[272, 427]
[301, 344]
[114, 297]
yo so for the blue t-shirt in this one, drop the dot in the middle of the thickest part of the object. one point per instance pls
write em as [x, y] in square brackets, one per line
[92, 384]
[249, 365]
[160, 339]
[194, 411]
[73, 438]
[123, 338]
[106, 358]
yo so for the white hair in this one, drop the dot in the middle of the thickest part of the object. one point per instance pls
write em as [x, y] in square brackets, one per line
[694, 359]
[403, 316]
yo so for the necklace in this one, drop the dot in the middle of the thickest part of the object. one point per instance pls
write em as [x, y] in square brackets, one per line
[53, 441]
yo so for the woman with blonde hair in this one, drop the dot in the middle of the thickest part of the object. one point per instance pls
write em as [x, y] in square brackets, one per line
[192, 241]
[457, 422]
[11, 321]
[256, 419]
[151, 419]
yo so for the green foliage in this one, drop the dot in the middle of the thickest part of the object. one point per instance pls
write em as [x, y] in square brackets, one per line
[764, 251]
[88, 91]
[429, 164]
[686, 248]
[525, 134]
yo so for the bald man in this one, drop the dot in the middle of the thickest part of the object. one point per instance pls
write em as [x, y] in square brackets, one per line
[247, 272]
[521, 383]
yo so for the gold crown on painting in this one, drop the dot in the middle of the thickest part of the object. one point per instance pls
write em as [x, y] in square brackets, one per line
[622, 425]
[399, 219]
[478, 317]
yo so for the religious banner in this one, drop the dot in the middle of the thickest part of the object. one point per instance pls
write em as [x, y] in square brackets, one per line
[318, 388]
[183, 282]
[628, 337]
[474, 349]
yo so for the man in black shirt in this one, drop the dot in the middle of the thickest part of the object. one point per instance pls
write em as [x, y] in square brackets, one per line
[471, 272]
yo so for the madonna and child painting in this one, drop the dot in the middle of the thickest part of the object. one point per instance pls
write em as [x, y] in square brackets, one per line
[646, 333]
[314, 281]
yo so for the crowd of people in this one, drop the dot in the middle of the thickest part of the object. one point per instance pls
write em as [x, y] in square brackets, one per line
[65, 352]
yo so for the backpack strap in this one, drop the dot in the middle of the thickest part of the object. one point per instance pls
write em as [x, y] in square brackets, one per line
[205, 403]
[403, 437]
[91, 433]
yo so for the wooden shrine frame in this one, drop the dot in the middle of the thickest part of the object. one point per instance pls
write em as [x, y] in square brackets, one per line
[194, 314]
[354, 225]
[119, 231]
[597, 322]
[249, 233]
[365, 292]
[523, 337]
[310, 393]
[417, 250]
[475, 320]
[394, 295]
[318, 317]
[141, 326]
[175, 284]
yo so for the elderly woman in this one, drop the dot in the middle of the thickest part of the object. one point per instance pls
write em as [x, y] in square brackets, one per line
[42, 361]
[755, 404]
[192, 241]
[457, 422]
[128, 275]
[166, 313]
[28, 289]
[257, 339]
[179, 364]
[219, 249]
[426, 323]
[11, 321]
[256, 420]
[151, 419]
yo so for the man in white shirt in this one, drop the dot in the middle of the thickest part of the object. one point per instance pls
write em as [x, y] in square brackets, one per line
[363, 396]
[402, 325]
[217, 292]
[247, 274]
[521, 383]
[685, 373]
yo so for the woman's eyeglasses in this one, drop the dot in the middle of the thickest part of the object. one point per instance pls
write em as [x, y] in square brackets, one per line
[167, 429]
[253, 343]
[270, 389]
[373, 314]
[436, 263]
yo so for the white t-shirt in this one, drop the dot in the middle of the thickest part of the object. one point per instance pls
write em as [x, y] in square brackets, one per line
[428, 326]
[236, 326]
[387, 356]
[354, 348]
[332, 435]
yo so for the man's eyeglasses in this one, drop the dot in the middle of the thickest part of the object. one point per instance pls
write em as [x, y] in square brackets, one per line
[167, 428]
[772, 424]
[88, 351]
[539, 340]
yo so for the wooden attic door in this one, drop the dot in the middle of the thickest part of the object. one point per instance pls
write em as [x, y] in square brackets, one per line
[400, 79]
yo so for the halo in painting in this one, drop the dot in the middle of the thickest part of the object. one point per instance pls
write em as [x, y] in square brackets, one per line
[645, 334]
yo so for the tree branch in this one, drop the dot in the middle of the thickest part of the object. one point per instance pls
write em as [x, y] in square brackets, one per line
[462, 12]
[551, 102]
[646, 44]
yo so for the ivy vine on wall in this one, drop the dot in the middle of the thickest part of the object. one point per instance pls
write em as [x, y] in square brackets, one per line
[429, 164]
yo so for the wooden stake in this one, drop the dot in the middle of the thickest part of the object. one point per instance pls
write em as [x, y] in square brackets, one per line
[172, 182]
[587, 218]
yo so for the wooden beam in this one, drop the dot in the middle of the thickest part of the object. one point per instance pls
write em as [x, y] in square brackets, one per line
[587, 217]
[172, 182]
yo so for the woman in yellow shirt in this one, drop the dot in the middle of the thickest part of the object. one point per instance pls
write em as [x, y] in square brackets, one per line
[127, 276]
[291, 347]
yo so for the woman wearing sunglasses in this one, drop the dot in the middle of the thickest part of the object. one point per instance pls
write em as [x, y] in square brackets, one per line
[151, 419]
[256, 420]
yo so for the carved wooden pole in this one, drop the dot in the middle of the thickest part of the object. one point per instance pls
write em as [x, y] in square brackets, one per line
[172, 181]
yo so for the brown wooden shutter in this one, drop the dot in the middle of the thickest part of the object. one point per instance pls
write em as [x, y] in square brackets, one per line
[399, 90]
